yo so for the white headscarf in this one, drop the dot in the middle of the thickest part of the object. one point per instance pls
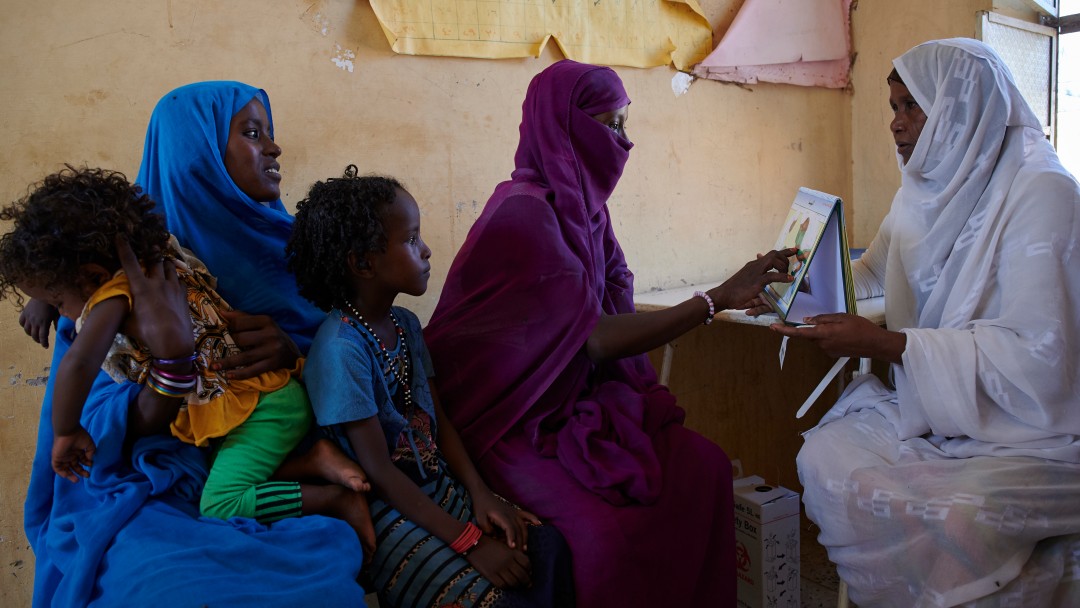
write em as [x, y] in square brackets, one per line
[980, 240]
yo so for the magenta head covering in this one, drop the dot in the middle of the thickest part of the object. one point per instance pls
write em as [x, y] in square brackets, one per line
[562, 146]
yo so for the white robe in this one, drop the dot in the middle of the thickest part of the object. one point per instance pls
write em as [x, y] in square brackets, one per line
[964, 482]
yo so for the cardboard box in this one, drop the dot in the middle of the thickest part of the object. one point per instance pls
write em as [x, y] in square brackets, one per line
[766, 544]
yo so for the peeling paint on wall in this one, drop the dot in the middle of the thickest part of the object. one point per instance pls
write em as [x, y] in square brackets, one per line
[39, 380]
[460, 206]
[318, 19]
[322, 22]
[343, 58]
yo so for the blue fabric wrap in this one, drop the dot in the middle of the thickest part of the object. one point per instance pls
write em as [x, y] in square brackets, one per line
[131, 535]
[241, 241]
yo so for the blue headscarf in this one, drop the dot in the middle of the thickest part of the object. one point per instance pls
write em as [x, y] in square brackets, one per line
[240, 240]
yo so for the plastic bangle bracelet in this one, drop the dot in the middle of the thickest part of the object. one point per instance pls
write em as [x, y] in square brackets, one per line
[176, 386]
[471, 545]
[174, 380]
[177, 377]
[169, 384]
[469, 538]
[163, 391]
[708, 300]
[466, 539]
[189, 359]
[174, 377]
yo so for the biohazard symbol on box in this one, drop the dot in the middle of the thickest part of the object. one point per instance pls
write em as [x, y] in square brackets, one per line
[742, 557]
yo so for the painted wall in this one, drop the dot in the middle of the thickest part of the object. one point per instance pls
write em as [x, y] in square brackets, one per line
[709, 180]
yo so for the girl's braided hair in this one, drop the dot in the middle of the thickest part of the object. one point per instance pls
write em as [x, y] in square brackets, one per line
[339, 216]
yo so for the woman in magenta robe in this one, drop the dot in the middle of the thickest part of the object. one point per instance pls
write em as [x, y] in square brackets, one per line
[541, 363]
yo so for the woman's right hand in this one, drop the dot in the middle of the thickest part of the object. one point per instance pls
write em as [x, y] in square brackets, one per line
[160, 318]
[37, 318]
[743, 287]
[264, 347]
[503, 566]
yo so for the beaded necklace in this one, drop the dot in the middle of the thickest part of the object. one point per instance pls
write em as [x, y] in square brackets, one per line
[395, 367]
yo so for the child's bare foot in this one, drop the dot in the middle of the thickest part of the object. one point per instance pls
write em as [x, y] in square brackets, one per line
[334, 466]
[357, 515]
[345, 504]
[324, 461]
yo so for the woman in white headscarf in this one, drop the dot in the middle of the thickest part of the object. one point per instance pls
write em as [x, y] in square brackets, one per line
[961, 484]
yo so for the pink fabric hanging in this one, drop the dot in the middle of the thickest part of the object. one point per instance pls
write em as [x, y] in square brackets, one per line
[809, 44]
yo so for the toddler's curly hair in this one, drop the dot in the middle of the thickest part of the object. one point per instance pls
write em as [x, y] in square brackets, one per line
[72, 218]
[339, 216]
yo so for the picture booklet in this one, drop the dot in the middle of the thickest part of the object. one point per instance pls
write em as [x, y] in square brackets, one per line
[822, 267]
[822, 270]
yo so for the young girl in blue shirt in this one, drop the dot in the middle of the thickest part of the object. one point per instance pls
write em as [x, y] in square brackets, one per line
[444, 539]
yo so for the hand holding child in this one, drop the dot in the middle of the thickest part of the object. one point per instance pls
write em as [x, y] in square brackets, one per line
[160, 318]
[37, 318]
[72, 455]
[264, 347]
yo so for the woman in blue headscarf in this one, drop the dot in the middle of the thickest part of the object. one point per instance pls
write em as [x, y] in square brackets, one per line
[231, 217]
[129, 534]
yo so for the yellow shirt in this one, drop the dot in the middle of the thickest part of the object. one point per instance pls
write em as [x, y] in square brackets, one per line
[217, 405]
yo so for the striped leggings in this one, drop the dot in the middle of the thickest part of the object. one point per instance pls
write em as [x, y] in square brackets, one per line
[247, 457]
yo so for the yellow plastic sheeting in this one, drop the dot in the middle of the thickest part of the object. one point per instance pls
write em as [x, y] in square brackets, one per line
[636, 33]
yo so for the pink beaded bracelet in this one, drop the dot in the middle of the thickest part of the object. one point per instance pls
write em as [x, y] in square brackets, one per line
[708, 300]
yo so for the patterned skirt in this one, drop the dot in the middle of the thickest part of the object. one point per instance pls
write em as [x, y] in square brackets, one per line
[412, 568]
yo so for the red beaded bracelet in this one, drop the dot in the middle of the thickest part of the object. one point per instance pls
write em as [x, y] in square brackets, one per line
[469, 538]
